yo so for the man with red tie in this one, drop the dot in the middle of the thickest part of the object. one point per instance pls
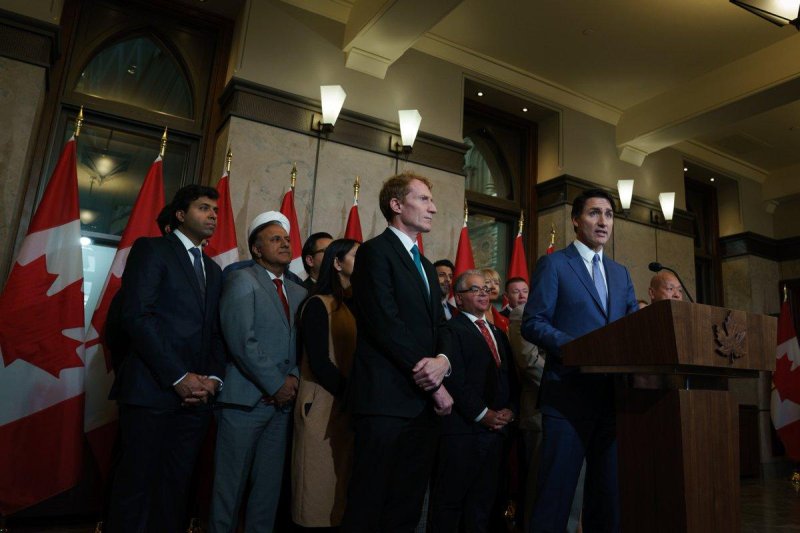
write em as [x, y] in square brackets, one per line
[257, 313]
[471, 446]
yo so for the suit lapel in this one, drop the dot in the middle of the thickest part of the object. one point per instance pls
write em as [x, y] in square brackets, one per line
[272, 291]
[477, 336]
[185, 263]
[578, 265]
[408, 263]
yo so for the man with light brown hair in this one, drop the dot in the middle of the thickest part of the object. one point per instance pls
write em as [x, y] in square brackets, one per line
[395, 387]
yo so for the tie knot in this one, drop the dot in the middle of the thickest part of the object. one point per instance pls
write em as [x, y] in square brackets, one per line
[195, 251]
[415, 251]
[596, 258]
[278, 283]
[480, 322]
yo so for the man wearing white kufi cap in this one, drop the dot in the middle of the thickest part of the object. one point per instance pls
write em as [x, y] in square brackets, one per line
[257, 312]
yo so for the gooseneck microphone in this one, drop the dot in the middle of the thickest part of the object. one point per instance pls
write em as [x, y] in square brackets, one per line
[658, 267]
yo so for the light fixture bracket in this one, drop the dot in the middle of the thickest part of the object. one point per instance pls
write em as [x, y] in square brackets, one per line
[319, 126]
[396, 145]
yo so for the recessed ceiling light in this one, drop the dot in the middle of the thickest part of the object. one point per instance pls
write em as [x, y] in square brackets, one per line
[711, 179]
[480, 93]
[524, 109]
[685, 169]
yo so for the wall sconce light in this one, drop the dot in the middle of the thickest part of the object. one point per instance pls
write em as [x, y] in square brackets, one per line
[778, 12]
[625, 188]
[410, 120]
[667, 201]
[332, 97]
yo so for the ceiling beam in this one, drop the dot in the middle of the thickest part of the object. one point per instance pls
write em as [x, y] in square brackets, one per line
[756, 83]
[378, 32]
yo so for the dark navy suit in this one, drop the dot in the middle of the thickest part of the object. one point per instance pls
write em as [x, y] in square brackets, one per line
[172, 330]
[577, 409]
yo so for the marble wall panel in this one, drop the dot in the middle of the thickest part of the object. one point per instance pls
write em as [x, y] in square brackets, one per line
[261, 169]
[260, 175]
[790, 269]
[21, 97]
[736, 283]
[677, 252]
[635, 248]
[764, 292]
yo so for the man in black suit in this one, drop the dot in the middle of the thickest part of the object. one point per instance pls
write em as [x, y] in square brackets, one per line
[172, 369]
[471, 447]
[313, 251]
[444, 272]
[395, 388]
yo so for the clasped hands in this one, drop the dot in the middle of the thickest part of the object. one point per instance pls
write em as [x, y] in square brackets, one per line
[496, 420]
[195, 389]
[285, 394]
[428, 375]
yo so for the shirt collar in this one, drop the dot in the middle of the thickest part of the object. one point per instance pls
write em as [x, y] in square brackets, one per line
[273, 276]
[586, 252]
[405, 239]
[188, 244]
[472, 317]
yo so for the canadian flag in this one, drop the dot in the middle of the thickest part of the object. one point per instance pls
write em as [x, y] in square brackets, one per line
[353, 228]
[100, 422]
[41, 341]
[287, 208]
[222, 246]
[519, 266]
[786, 384]
[464, 258]
[420, 244]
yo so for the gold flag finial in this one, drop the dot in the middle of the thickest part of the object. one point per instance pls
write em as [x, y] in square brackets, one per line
[294, 175]
[552, 234]
[521, 220]
[228, 158]
[466, 212]
[163, 143]
[785, 293]
[356, 188]
[79, 122]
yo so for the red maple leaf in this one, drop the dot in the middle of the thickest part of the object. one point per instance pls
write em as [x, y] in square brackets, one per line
[31, 323]
[787, 381]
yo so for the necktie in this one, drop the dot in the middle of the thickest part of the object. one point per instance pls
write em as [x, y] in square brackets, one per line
[198, 269]
[488, 338]
[279, 286]
[447, 313]
[599, 284]
[418, 262]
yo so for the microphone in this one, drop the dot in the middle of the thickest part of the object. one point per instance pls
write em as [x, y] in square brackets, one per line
[658, 267]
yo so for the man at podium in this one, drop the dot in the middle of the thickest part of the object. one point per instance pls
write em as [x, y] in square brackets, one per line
[574, 292]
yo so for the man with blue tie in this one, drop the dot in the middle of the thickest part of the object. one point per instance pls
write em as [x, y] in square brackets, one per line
[576, 291]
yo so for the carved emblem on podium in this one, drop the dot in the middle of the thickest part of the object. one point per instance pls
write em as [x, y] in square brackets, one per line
[730, 337]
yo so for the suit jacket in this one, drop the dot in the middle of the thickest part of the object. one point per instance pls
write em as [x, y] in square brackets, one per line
[476, 382]
[397, 322]
[529, 360]
[565, 305]
[172, 330]
[262, 343]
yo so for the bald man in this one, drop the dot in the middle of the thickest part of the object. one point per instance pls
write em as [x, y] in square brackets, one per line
[665, 286]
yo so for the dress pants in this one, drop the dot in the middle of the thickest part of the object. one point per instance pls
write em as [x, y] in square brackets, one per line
[392, 465]
[158, 450]
[251, 444]
[565, 445]
[465, 483]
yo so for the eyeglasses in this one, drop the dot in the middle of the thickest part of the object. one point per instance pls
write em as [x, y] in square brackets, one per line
[476, 290]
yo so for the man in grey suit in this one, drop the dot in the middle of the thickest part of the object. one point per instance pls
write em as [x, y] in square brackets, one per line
[257, 311]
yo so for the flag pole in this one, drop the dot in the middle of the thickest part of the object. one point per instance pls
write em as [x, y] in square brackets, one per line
[466, 212]
[785, 293]
[521, 221]
[228, 158]
[293, 176]
[163, 144]
[356, 187]
[79, 123]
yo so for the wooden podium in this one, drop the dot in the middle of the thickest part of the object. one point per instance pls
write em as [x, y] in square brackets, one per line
[678, 445]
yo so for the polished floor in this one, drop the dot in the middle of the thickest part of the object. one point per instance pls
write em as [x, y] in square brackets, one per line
[768, 506]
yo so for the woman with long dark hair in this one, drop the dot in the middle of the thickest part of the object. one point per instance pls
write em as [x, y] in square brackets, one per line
[323, 441]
